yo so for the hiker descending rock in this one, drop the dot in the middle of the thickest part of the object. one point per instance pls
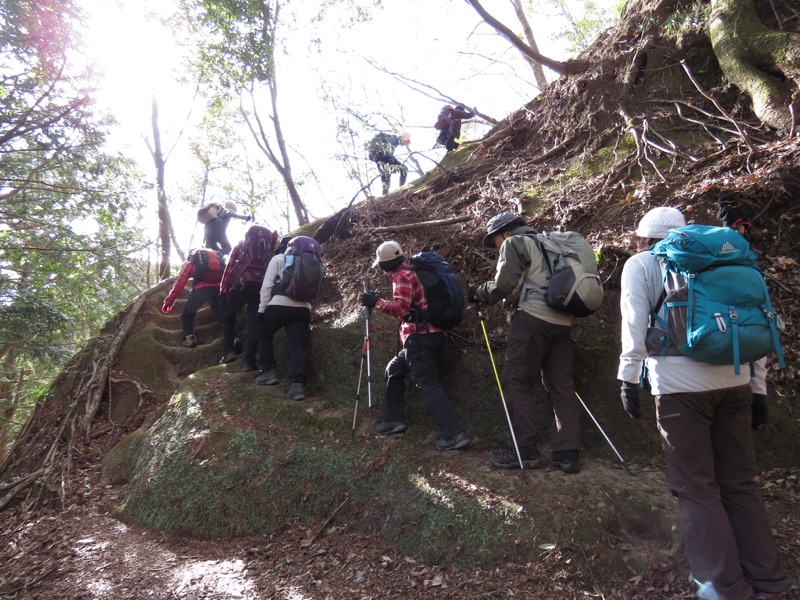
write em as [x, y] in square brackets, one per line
[421, 342]
[703, 412]
[216, 219]
[205, 267]
[449, 125]
[241, 286]
[293, 279]
[539, 347]
[381, 151]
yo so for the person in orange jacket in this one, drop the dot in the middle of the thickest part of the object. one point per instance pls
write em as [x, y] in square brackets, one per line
[205, 267]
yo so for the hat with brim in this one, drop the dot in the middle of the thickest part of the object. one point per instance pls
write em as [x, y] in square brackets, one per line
[387, 251]
[498, 223]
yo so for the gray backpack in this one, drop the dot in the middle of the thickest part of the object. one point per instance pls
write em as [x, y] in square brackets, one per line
[574, 286]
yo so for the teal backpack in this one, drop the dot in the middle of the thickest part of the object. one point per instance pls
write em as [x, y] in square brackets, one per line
[715, 307]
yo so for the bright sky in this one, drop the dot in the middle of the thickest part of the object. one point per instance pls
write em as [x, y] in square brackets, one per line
[442, 43]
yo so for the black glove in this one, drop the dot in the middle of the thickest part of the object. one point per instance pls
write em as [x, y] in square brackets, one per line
[471, 293]
[629, 392]
[759, 411]
[248, 219]
[369, 299]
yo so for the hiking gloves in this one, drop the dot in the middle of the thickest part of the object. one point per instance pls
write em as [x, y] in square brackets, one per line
[629, 392]
[472, 293]
[369, 300]
[760, 414]
[730, 214]
[167, 306]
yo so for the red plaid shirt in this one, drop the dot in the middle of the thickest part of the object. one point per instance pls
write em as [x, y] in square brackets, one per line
[407, 291]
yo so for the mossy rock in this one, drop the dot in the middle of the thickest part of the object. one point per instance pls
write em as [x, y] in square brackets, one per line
[229, 458]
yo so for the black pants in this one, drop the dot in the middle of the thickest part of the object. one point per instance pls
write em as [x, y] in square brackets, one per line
[388, 164]
[235, 300]
[197, 298]
[296, 320]
[419, 357]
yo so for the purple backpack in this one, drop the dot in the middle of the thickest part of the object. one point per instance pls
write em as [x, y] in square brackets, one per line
[255, 252]
[303, 270]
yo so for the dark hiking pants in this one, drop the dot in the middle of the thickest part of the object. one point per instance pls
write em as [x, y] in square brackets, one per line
[197, 298]
[541, 352]
[711, 462]
[234, 301]
[419, 357]
[296, 320]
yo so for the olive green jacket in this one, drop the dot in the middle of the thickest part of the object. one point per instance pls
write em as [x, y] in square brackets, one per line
[521, 261]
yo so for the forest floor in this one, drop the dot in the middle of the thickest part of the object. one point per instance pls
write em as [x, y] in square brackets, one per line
[80, 551]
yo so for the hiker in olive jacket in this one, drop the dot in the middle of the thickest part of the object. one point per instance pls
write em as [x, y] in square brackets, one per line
[539, 347]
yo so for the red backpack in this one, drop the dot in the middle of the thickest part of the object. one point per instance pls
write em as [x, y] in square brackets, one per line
[253, 256]
[445, 118]
[208, 265]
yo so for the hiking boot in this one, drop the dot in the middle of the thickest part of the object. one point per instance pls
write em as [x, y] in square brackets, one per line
[190, 341]
[247, 367]
[297, 391]
[390, 427]
[228, 358]
[507, 459]
[268, 378]
[458, 441]
[765, 596]
[566, 460]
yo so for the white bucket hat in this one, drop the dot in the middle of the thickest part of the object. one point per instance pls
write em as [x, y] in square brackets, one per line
[657, 222]
[387, 251]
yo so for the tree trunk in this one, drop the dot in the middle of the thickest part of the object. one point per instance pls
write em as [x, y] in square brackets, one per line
[164, 220]
[526, 50]
[763, 63]
[538, 71]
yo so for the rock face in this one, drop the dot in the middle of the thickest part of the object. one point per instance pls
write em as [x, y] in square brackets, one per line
[228, 458]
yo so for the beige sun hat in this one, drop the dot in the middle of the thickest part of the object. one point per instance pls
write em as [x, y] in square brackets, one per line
[387, 251]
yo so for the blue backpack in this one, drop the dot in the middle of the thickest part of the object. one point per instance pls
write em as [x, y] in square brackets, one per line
[443, 292]
[715, 307]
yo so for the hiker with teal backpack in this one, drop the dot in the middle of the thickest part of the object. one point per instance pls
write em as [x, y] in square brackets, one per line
[421, 340]
[703, 409]
[539, 348]
[381, 151]
[240, 287]
[204, 267]
[292, 281]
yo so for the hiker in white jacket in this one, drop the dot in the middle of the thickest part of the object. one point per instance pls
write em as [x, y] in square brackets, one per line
[703, 413]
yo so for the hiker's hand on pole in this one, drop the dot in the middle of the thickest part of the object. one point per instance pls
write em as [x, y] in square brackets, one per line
[629, 393]
[472, 292]
[760, 413]
[369, 299]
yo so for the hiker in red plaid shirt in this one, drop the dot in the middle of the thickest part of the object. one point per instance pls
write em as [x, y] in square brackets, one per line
[421, 344]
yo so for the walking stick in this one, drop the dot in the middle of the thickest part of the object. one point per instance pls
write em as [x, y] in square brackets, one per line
[499, 386]
[622, 460]
[365, 356]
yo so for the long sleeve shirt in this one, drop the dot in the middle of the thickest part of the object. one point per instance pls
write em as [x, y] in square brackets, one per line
[187, 272]
[407, 293]
[519, 260]
[642, 285]
[271, 277]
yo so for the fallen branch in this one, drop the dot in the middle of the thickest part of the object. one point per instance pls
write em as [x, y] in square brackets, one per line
[409, 226]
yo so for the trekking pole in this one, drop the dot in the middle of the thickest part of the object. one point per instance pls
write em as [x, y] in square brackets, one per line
[365, 356]
[499, 386]
[622, 460]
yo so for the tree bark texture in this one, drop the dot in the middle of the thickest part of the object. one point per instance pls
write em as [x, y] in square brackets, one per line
[164, 220]
[763, 63]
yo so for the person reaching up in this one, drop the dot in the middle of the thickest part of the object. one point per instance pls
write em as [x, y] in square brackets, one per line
[449, 124]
